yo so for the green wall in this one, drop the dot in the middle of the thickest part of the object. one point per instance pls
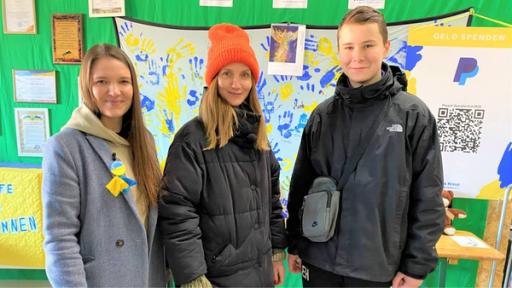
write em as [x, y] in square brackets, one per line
[34, 52]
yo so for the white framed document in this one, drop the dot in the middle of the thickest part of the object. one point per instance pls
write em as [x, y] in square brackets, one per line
[32, 130]
[290, 4]
[377, 4]
[216, 3]
[37, 86]
[106, 8]
[19, 16]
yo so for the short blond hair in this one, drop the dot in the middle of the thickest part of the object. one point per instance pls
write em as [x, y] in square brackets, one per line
[364, 15]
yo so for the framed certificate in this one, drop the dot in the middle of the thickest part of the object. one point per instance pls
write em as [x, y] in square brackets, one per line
[67, 44]
[32, 130]
[106, 8]
[34, 86]
[19, 16]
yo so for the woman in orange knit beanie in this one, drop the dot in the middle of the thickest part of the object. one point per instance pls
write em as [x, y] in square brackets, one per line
[220, 210]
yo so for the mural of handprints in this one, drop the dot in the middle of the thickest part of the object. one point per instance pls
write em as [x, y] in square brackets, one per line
[171, 65]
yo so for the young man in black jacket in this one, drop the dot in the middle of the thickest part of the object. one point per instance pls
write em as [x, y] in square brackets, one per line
[391, 212]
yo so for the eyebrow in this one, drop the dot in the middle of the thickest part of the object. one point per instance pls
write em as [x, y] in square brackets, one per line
[364, 42]
[231, 70]
[106, 77]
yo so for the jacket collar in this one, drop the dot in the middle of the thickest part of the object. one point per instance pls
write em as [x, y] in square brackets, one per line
[392, 81]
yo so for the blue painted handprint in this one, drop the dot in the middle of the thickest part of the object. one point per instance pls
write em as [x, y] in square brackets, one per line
[266, 45]
[269, 106]
[282, 78]
[311, 43]
[308, 87]
[305, 75]
[303, 120]
[327, 78]
[285, 122]
[147, 47]
[147, 103]
[196, 66]
[126, 28]
[165, 64]
[169, 121]
[153, 73]
[276, 150]
[192, 98]
[262, 82]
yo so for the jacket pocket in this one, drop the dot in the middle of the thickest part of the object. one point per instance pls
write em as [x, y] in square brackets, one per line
[231, 260]
[221, 257]
[87, 259]
[400, 227]
[220, 263]
[88, 262]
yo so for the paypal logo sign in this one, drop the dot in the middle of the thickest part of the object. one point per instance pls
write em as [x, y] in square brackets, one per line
[467, 68]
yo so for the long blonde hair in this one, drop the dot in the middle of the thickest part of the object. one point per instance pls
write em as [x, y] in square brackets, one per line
[145, 163]
[220, 120]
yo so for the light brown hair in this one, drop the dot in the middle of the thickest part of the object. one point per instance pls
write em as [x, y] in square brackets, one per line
[145, 163]
[220, 120]
[364, 15]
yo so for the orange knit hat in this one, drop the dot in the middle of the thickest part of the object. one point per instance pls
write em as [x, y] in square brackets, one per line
[229, 44]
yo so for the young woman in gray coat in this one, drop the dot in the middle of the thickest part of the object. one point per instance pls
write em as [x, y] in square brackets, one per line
[220, 211]
[100, 184]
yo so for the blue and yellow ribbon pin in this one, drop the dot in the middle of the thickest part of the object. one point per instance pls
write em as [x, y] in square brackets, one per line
[119, 183]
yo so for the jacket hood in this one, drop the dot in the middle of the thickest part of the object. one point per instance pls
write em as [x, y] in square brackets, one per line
[85, 120]
[393, 81]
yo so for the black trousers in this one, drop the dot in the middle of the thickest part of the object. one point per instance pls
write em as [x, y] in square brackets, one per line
[315, 277]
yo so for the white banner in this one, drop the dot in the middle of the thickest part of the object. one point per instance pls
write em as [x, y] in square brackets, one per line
[462, 76]
[171, 64]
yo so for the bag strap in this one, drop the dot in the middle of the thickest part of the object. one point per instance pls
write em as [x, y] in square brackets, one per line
[351, 163]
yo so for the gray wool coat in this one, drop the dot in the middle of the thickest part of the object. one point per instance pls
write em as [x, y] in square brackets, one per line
[91, 237]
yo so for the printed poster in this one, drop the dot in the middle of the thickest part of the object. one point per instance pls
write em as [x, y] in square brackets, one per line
[470, 94]
[286, 53]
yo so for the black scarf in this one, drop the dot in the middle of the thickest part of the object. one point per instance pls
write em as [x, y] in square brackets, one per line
[246, 133]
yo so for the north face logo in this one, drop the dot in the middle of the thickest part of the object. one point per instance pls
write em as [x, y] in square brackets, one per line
[395, 128]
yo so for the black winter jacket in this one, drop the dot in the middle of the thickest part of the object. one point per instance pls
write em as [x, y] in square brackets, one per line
[220, 210]
[391, 212]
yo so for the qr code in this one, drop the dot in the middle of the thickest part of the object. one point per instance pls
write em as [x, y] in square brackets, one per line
[460, 129]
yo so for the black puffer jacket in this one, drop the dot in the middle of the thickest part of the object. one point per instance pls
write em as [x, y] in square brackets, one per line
[391, 209]
[220, 212]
